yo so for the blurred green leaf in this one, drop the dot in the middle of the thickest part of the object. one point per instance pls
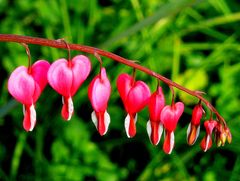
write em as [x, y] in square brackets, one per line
[188, 79]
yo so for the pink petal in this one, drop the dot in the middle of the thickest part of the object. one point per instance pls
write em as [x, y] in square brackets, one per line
[209, 126]
[81, 67]
[138, 97]
[60, 77]
[170, 115]
[197, 114]
[179, 108]
[21, 85]
[124, 84]
[168, 118]
[99, 92]
[39, 72]
[156, 104]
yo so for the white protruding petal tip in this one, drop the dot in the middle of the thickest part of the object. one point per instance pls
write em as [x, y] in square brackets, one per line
[160, 131]
[94, 119]
[70, 108]
[188, 130]
[171, 142]
[135, 119]
[207, 142]
[126, 124]
[198, 131]
[32, 117]
[106, 121]
[149, 130]
[24, 110]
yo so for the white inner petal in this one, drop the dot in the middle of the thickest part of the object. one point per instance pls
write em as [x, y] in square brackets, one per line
[160, 131]
[24, 110]
[171, 142]
[126, 124]
[197, 134]
[188, 130]
[94, 118]
[149, 129]
[135, 119]
[32, 117]
[70, 108]
[106, 121]
[207, 143]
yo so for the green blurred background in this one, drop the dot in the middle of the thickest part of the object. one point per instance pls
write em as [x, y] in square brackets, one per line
[195, 43]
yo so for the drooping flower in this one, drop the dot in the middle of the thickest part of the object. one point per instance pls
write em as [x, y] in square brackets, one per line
[66, 77]
[169, 117]
[206, 142]
[26, 85]
[135, 96]
[154, 125]
[99, 92]
[194, 125]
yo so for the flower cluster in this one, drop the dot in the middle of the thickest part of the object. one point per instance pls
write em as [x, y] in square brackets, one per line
[66, 77]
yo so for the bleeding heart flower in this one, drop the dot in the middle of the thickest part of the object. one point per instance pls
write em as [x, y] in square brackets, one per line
[135, 96]
[99, 92]
[66, 77]
[194, 125]
[169, 117]
[206, 142]
[154, 125]
[26, 85]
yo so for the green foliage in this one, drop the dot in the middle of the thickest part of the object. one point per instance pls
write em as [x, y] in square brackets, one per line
[195, 43]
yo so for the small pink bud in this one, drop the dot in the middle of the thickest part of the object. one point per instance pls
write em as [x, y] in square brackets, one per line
[26, 85]
[154, 125]
[99, 92]
[206, 142]
[135, 96]
[66, 77]
[169, 117]
[194, 126]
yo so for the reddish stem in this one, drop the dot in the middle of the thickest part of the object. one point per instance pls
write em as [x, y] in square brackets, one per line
[173, 95]
[92, 50]
[69, 52]
[29, 57]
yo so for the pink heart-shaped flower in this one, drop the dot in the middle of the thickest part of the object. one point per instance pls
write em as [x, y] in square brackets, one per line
[135, 96]
[99, 93]
[171, 114]
[154, 125]
[66, 77]
[26, 85]
[169, 117]
[194, 126]
[124, 84]
[206, 142]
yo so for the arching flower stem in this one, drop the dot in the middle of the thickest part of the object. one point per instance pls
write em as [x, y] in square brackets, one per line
[93, 50]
